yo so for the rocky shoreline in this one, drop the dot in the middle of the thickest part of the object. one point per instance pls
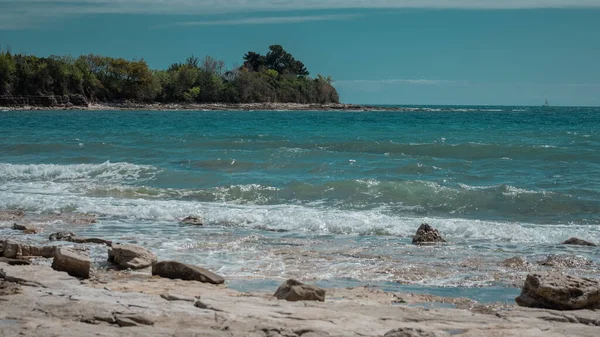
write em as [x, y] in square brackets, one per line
[137, 295]
[78, 102]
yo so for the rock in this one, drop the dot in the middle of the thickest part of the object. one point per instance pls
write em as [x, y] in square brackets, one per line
[132, 320]
[192, 220]
[61, 236]
[15, 262]
[14, 249]
[11, 215]
[516, 262]
[565, 261]
[75, 263]
[186, 272]
[176, 297]
[578, 242]
[11, 249]
[410, 332]
[551, 290]
[9, 288]
[292, 290]
[131, 256]
[27, 229]
[427, 235]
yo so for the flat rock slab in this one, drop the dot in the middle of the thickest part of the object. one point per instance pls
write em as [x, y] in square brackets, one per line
[552, 290]
[13, 249]
[130, 256]
[186, 272]
[75, 263]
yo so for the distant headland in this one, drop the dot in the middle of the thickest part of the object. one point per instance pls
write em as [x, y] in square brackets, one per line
[273, 80]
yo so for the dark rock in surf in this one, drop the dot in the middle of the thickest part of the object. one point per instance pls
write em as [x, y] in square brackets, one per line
[61, 236]
[192, 220]
[177, 270]
[578, 242]
[427, 235]
[25, 228]
[551, 290]
[292, 290]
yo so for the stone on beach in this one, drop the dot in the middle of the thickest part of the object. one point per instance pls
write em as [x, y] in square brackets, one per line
[130, 256]
[186, 272]
[551, 290]
[13, 249]
[578, 242]
[292, 290]
[71, 237]
[25, 228]
[427, 235]
[75, 263]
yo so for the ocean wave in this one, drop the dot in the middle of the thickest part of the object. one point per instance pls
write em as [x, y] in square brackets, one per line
[106, 172]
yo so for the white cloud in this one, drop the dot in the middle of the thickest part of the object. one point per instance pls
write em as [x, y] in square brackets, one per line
[264, 20]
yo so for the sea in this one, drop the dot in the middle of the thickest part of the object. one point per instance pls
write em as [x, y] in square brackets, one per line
[327, 197]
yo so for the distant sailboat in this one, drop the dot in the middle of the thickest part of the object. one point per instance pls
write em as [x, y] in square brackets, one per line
[545, 103]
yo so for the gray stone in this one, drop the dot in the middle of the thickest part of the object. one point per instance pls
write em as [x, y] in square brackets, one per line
[130, 256]
[578, 242]
[551, 290]
[186, 272]
[427, 235]
[292, 290]
[75, 263]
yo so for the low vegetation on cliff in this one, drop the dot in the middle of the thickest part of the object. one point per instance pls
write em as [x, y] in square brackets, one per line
[274, 77]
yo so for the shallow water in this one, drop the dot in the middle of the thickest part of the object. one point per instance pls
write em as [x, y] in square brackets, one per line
[328, 196]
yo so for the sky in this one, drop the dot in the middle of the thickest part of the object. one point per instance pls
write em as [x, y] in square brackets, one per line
[434, 52]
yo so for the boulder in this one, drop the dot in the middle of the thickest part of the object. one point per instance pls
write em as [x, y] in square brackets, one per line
[61, 236]
[75, 263]
[578, 242]
[130, 256]
[11, 249]
[25, 228]
[427, 235]
[186, 272]
[192, 220]
[292, 290]
[565, 261]
[551, 290]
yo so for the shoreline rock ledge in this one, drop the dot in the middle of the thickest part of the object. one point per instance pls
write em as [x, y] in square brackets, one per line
[551, 290]
[427, 235]
[186, 272]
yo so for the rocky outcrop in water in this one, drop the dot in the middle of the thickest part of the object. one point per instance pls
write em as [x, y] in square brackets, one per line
[192, 220]
[427, 235]
[565, 261]
[75, 263]
[186, 272]
[28, 229]
[292, 290]
[130, 256]
[71, 237]
[578, 242]
[517, 262]
[552, 290]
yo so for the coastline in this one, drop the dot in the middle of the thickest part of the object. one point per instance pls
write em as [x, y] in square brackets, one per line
[210, 107]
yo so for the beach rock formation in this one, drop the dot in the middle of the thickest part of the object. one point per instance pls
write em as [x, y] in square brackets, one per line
[578, 242]
[69, 236]
[13, 249]
[25, 228]
[292, 290]
[427, 235]
[551, 290]
[565, 261]
[130, 256]
[192, 220]
[186, 272]
[61, 236]
[75, 263]
[412, 332]
[516, 262]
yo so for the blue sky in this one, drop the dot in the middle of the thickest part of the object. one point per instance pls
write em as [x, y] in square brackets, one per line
[493, 52]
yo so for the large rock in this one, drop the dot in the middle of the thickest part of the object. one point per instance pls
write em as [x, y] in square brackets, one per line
[578, 242]
[551, 290]
[192, 220]
[61, 236]
[186, 272]
[13, 249]
[292, 290]
[427, 235]
[75, 263]
[130, 256]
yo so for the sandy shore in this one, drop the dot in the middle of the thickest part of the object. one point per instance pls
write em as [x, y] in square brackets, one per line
[35, 300]
[217, 107]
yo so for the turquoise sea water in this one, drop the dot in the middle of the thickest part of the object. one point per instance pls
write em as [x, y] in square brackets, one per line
[328, 196]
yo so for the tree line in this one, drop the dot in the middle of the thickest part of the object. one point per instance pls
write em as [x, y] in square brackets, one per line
[274, 77]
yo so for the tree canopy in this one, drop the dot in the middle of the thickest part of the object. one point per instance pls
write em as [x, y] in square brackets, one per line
[274, 77]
